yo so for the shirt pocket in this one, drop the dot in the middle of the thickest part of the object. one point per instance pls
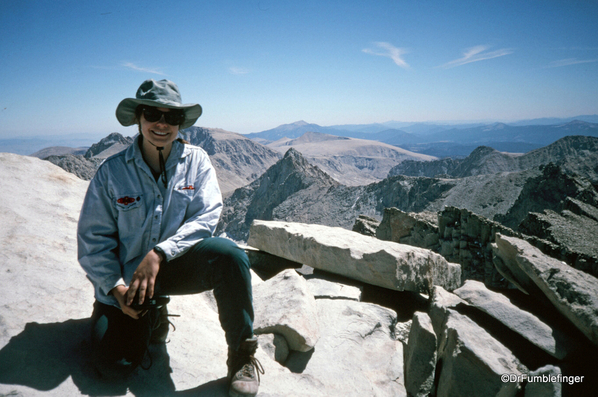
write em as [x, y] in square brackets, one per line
[181, 199]
[128, 202]
[131, 221]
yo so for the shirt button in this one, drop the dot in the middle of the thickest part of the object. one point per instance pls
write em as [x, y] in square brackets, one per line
[156, 217]
[159, 196]
[153, 240]
[171, 252]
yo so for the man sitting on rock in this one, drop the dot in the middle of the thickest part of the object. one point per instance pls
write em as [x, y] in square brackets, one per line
[146, 232]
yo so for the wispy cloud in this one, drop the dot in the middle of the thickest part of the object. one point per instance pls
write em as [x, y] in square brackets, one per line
[390, 51]
[476, 54]
[236, 70]
[569, 61]
[132, 66]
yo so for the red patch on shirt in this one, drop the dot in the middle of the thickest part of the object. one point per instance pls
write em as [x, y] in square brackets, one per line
[126, 200]
[190, 187]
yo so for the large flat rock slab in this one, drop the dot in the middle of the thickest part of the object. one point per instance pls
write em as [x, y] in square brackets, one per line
[364, 258]
[551, 340]
[572, 292]
[473, 361]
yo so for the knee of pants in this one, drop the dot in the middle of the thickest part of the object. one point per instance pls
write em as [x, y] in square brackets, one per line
[229, 252]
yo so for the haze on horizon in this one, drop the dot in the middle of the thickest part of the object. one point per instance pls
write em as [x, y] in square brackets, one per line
[254, 65]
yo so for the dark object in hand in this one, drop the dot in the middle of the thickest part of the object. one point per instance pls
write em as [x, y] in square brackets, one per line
[153, 303]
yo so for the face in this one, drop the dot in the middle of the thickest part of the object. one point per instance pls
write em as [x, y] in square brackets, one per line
[160, 133]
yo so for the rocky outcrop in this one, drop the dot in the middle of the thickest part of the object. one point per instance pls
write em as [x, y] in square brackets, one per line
[441, 168]
[420, 357]
[84, 168]
[572, 292]
[458, 235]
[321, 200]
[464, 237]
[86, 165]
[105, 144]
[483, 160]
[553, 341]
[58, 151]
[573, 230]
[577, 154]
[542, 382]
[417, 229]
[466, 352]
[292, 179]
[548, 191]
[237, 159]
[294, 190]
[355, 335]
[350, 161]
[324, 289]
[285, 306]
[386, 264]
[366, 225]
[486, 345]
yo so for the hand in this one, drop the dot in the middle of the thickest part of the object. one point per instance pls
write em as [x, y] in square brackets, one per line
[144, 278]
[119, 293]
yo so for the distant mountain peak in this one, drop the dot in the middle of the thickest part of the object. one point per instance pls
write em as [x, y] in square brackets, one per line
[105, 143]
[481, 151]
[293, 154]
[296, 124]
[496, 126]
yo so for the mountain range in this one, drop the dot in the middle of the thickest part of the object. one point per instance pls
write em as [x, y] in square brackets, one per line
[295, 190]
[350, 161]
[577, 154]
[443, 140]
[440, 139]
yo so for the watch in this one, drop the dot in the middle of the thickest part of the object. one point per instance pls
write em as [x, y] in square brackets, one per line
[161, 254]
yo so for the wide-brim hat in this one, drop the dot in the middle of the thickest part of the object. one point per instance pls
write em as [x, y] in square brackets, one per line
[160, 94]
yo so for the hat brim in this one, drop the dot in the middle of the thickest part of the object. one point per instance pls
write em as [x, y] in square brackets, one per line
[125, 111]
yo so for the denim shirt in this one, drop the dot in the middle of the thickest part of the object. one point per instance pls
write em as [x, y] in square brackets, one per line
[126, 213]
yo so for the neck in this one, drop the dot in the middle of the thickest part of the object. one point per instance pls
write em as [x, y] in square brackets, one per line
[151, 153]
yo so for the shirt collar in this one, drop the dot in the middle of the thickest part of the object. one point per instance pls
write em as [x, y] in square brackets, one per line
[178, 151]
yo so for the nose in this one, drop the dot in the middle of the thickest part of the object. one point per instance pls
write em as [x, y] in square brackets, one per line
[162, 119]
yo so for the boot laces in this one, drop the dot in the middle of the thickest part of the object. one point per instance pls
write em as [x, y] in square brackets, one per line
[244, 363]
[253, 366]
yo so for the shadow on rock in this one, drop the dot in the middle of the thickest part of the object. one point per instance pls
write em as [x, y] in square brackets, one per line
[215, 388]
[43, 356]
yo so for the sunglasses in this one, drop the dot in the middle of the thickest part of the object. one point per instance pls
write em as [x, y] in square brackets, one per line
[174, 117]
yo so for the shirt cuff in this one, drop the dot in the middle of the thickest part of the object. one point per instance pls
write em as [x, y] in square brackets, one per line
[170, 249]
[112, 282]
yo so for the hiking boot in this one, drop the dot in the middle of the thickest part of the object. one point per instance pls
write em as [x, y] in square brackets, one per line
[244, 370]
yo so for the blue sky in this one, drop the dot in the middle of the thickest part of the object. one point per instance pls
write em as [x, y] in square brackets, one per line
[254, 65]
